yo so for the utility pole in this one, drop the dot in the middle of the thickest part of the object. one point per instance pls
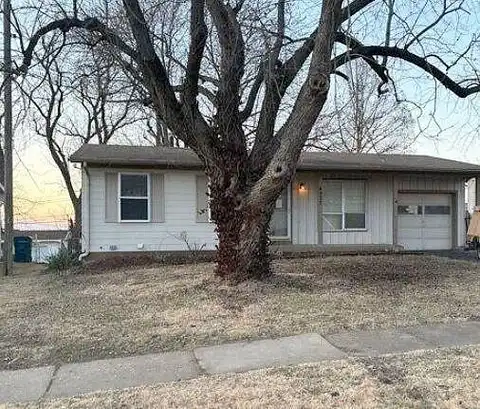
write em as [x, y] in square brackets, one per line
[8, 133]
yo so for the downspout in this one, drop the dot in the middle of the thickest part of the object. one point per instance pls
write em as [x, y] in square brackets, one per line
[86, 197]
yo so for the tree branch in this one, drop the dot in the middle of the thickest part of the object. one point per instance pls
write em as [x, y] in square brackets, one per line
[232, 65]
[66, 24]
[420, 62]
[351, 42]
[252, 96]
[198, 39]
[353, 8]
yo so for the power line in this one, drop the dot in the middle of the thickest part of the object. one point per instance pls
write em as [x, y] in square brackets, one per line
[28, 170]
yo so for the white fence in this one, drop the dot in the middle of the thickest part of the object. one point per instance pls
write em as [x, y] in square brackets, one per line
[42, 249]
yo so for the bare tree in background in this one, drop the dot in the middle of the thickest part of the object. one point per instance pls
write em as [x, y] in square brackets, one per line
[76, 99]
[360, 119]
[264, 59]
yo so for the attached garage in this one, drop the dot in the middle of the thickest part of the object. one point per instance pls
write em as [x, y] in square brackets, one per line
[425, 221]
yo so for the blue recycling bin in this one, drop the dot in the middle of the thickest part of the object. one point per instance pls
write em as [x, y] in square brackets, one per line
[23, 249]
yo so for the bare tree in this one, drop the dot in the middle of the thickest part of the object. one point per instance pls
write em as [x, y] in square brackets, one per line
[76, 99]
[360, 119]
[212, 98]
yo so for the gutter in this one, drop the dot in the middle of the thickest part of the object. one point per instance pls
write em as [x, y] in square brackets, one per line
[86, 228]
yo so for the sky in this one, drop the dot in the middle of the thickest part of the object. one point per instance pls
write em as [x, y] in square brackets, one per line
[40, 199]
[42, 202]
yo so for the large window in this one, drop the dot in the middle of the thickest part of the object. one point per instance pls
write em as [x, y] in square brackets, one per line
[280, 222]
[343, 205]
[134, 197]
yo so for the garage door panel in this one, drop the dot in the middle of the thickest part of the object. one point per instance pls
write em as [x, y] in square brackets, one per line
[438, 234]
[411, 244]
[409, 222]
[408, 233]
[439, 222]
[436, 244]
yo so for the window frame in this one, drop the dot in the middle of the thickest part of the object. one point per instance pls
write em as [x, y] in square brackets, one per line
[289, 217]
[342, 213]
[148, 197]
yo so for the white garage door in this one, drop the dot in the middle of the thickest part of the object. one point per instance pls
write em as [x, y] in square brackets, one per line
[424, 221]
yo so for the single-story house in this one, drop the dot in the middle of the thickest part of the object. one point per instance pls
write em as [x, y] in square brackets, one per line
[138, 198]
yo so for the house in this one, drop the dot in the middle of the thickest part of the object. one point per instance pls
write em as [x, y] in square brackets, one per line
[154, 199]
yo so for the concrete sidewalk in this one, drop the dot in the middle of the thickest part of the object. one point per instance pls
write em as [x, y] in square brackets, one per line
[80, 378]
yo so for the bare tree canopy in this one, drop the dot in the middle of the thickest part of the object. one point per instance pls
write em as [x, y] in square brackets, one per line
[230, 70]
[359, 119]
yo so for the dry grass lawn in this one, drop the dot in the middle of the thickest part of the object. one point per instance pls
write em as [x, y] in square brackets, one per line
[51, 319]
[444, 379]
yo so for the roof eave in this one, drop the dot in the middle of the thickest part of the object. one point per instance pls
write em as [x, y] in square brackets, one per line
[199, 166]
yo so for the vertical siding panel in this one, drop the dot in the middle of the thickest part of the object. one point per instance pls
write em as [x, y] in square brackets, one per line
[295, 212]
[461, 229]
[157, 193]
[304, 209]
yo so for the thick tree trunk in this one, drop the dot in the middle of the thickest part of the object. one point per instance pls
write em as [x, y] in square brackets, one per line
[242, 250]
[243, 247]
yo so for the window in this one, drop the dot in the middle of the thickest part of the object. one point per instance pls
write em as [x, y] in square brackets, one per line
[409, 210]
[280, 222]
[134, 189]
[437, 209]
[343, 205]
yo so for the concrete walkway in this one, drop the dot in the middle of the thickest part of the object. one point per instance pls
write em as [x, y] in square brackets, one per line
[80, 378]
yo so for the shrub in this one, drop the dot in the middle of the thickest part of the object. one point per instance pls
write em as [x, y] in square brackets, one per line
[63, 260]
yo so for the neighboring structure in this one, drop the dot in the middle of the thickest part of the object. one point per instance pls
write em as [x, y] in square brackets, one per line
[154, 199]
[473, 196]
[45, 243]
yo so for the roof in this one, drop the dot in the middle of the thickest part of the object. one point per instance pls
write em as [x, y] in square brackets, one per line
[182, 158]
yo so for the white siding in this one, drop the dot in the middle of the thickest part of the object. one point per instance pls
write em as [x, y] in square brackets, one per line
[180, 217]
[439, 184]
[304, 209]
[180, 213]
[471, 195]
